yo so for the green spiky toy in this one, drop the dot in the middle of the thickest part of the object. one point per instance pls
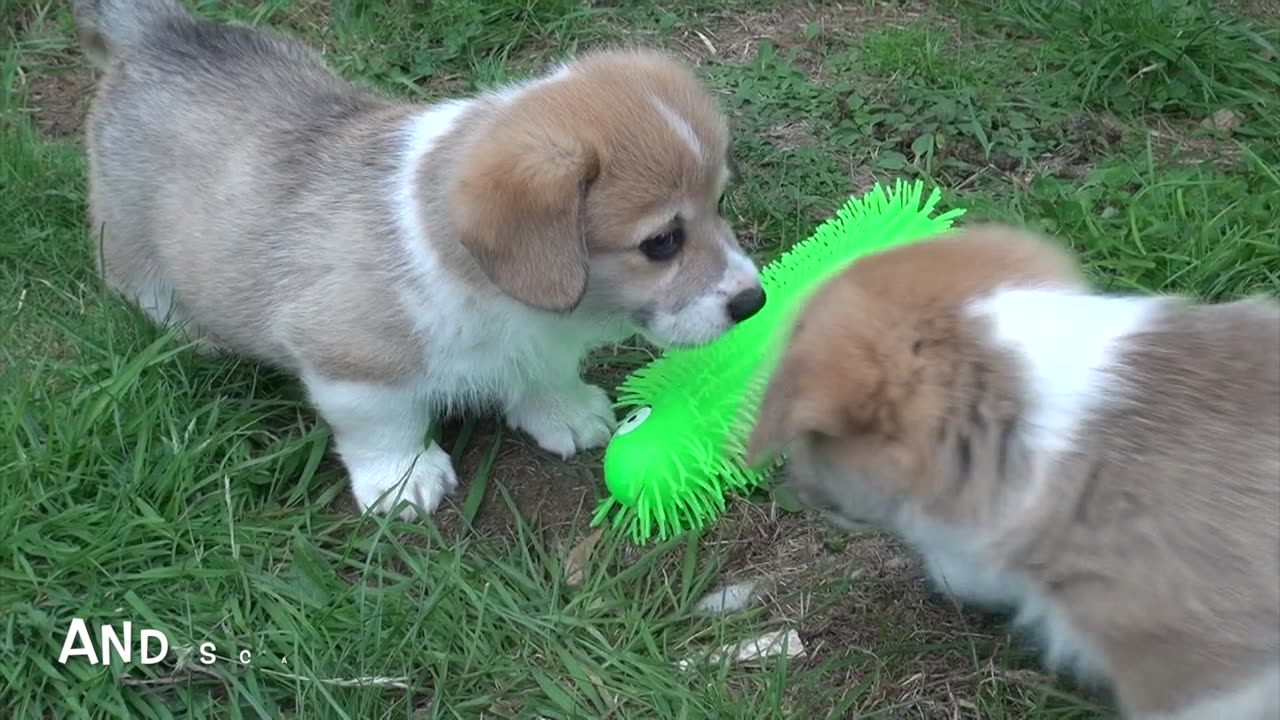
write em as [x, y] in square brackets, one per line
[679, 452]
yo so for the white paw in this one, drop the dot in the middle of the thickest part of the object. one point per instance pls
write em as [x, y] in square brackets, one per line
[969, 583]
[208, 348]
[382, 482]
[566, 423]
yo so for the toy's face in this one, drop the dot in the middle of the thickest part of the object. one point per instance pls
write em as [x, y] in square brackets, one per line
[635, 454]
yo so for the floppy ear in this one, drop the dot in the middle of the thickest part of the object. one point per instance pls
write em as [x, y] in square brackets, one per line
[519, 206]
[832, 383]
[794, 404]
[773, 427]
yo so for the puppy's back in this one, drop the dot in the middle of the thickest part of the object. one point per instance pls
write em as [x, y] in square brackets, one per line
[1196, 415]
[1172, 557]
[212, 148]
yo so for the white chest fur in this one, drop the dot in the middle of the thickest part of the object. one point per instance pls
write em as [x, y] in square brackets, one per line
[480, 347]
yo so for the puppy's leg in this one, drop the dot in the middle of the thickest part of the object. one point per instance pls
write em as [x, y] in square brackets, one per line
[563, 414]
[964, 580]
[378, 432]
[132, 273]
[157, 298]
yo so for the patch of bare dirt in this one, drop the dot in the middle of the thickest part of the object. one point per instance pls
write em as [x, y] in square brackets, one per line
[58, 100]
[1087, 137]
[872, 629]
[733, 36]
[1188, 142]
[57, 82]
[1260, 10]
[556, 497]
[793, 134]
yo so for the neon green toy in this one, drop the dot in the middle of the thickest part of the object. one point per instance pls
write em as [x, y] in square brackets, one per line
[680, 451]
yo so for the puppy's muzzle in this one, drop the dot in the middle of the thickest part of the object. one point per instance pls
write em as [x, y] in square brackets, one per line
[746, 303]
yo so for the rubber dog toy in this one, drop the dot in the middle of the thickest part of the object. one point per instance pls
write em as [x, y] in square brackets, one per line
[679, 452]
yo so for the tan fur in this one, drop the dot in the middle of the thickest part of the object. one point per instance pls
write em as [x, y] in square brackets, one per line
[504, 196]
[1159, 543]
[528, 177]
[878, 354]
[407, 261]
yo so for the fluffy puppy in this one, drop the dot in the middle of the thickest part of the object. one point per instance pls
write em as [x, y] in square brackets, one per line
[1106, 467]
[404, 260]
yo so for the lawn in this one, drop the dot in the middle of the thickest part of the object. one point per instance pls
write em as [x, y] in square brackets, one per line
[142, 482]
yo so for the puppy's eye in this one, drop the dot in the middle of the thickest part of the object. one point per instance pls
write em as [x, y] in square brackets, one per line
[663, 246]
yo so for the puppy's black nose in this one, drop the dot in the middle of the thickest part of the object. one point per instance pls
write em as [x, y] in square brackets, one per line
[746, 303]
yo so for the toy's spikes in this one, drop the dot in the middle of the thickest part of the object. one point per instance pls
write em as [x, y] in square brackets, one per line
[679, 453]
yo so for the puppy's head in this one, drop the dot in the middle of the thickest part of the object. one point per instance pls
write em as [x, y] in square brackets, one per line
[599, 188]
[883, 366]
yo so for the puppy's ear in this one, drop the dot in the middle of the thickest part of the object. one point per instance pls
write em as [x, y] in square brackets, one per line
[792, 406]
[519, 206]
[776, 423]
[836, 378]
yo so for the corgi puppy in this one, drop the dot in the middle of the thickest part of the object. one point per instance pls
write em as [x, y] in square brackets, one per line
[1106, 467]
[403, 260]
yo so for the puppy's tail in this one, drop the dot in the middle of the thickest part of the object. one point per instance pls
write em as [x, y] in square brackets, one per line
[109, 29]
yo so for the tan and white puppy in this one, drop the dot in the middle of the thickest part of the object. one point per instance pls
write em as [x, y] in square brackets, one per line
[1107, 467]
[404, 260]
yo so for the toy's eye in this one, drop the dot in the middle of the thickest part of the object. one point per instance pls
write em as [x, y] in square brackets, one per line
[634, 420]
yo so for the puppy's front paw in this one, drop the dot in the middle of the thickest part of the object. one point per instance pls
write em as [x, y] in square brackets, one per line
[568, 422]
[382, 482]
[969, 583]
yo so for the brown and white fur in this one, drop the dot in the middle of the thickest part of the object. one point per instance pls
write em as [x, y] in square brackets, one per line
[403, 260]
[1106, 467]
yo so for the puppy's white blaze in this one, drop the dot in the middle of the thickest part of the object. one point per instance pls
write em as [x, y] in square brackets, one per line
[680, 127]
[1068, 345]
[708, 316]
[739, 273]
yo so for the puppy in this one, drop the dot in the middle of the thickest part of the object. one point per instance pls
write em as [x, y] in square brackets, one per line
[1107, 467]
[407, 261]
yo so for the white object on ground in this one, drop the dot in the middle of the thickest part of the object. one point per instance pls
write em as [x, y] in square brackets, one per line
[727, 599]
[780, 642]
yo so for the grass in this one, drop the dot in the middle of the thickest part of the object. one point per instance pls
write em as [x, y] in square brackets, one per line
[143, 482]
